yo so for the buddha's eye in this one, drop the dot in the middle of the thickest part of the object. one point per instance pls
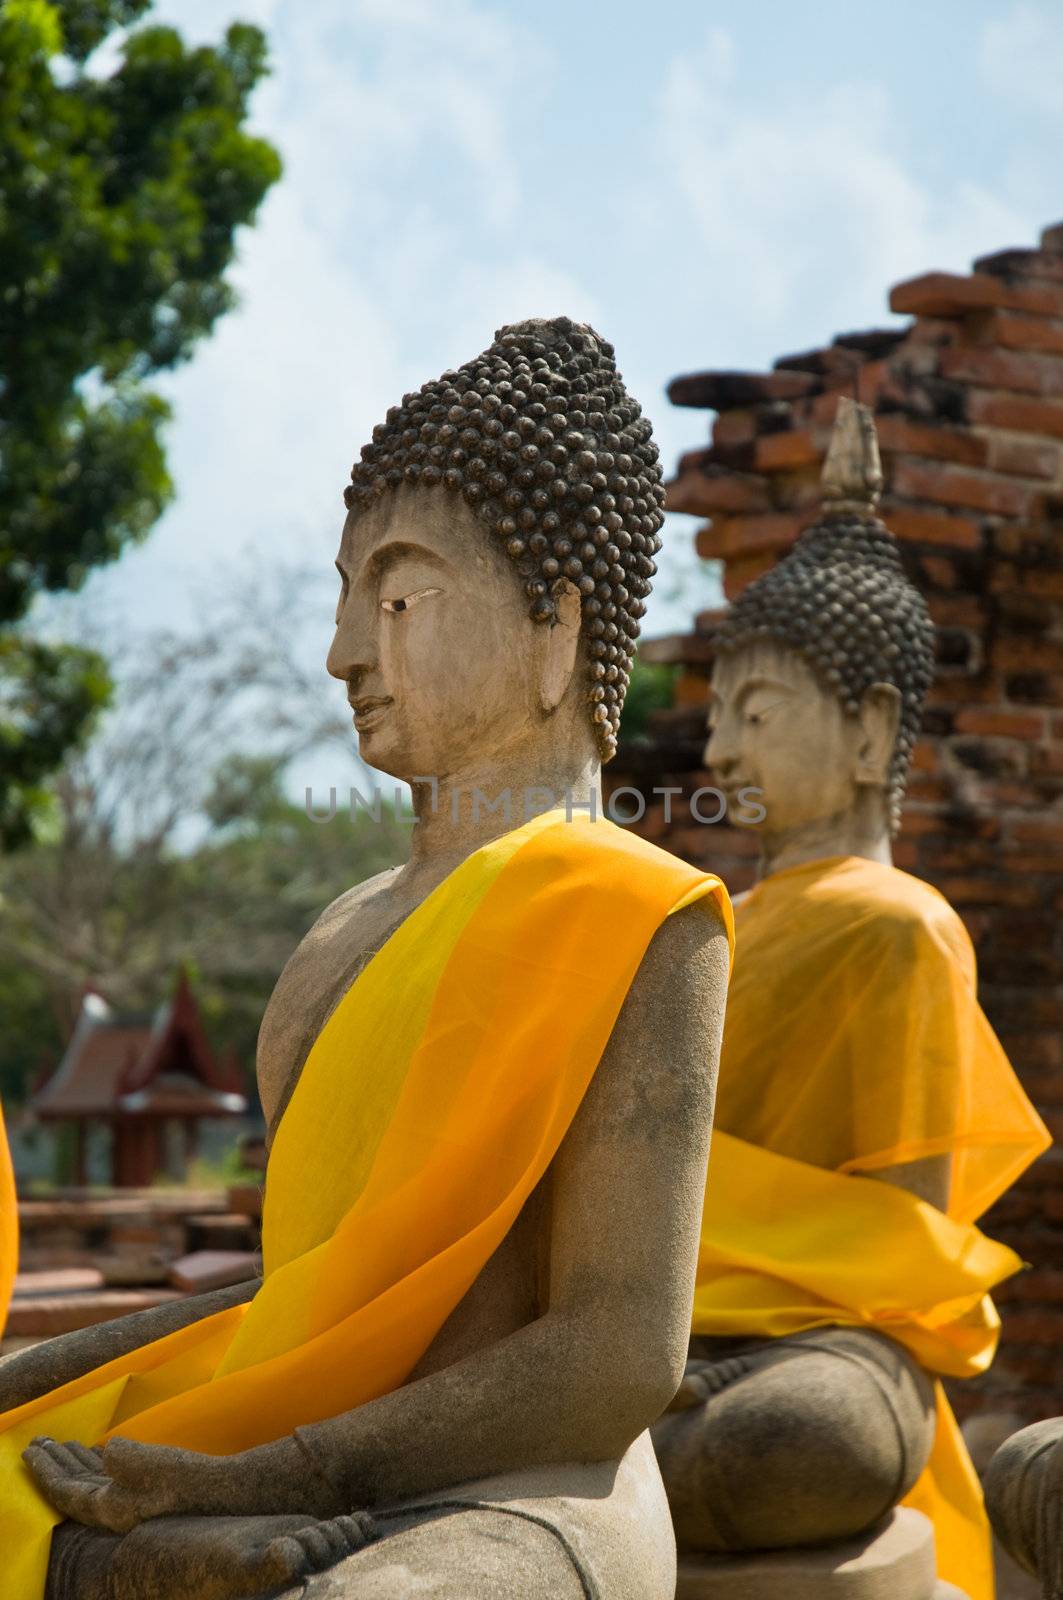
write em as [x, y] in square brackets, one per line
[404, 602]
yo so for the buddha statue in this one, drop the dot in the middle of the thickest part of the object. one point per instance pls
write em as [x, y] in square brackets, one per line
[488, 1078]
[866, 1114]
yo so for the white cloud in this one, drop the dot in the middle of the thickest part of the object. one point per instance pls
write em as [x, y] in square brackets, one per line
[1020, 57]
[804, 208]
[351, 291]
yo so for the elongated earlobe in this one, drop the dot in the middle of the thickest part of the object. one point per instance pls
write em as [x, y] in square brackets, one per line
[561, 644]
[880, 713]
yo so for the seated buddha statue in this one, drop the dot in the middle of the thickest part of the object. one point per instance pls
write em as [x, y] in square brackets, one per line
[866, 1114]
[488, 1077]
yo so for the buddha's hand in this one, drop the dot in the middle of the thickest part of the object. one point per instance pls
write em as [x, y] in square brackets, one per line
[124, 1483]
[697, 1385]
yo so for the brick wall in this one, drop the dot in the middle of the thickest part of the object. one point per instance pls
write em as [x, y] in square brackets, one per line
[968, 401]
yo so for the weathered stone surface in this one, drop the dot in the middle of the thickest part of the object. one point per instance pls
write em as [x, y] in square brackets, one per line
[895, 1561]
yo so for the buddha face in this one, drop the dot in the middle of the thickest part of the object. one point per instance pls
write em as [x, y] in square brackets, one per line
[443, 665]
[774, 727]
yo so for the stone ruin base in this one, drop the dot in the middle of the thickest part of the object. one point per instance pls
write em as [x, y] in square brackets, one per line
[894, 1561]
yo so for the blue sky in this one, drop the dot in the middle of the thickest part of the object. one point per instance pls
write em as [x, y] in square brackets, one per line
[709, 185]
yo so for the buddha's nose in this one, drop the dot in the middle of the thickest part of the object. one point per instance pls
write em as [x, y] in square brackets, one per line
[720, 752]
[352, 650]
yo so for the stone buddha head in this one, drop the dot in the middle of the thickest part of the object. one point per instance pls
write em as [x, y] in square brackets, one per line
[822, 666]
[496, 557]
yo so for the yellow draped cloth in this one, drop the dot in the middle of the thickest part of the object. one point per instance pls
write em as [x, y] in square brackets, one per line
[429, 1107]
[853, 1042]
[8, 1225]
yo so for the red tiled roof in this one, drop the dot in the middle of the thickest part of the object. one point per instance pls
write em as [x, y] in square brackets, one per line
[160, 1066]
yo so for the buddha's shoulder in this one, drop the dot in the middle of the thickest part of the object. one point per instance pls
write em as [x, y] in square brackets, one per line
[330, 936]
[894, 907]
[582, 836]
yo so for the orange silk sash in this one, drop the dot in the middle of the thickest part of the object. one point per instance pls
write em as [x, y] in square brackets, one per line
[8, 1225]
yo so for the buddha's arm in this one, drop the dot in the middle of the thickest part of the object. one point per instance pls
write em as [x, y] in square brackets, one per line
[31, 1373]
[585, 1379]
[588, 1376]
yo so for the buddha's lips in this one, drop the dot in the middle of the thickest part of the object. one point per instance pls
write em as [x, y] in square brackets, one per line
[369, 711]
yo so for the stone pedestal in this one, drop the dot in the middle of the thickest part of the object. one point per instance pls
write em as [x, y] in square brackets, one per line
[895, 1561]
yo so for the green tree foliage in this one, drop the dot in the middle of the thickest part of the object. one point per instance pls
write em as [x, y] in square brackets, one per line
[173, 837]
[120, 196]
[652, 688]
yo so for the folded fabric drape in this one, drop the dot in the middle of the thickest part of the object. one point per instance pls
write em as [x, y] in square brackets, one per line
[431, 1104]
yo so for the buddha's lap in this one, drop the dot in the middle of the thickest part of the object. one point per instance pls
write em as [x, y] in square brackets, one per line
[798, 1440]
[578, 1529]
[543, 1534]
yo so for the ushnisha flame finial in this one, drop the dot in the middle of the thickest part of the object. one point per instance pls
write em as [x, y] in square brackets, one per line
[852, 472]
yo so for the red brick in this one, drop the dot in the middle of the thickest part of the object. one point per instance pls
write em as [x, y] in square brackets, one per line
[1001, 723]
[1022, 264]
[1037, 1050]
[739, 574]
[793, 448]
[1024, 862]
[997, 369]
[726, 537]
[957, 610]
[955, 486]
[944, 294]
[919, 526]
[1052, 238]
[1027, 458]
[723, 391]
[921, 824]
[734, 427]
[688, 649]
[1001, 410]
[1047, 761]
[1045, 1284]
[703, 494]
[924, 756]
[937, 569]
[1012, 331]
[1028, 655]
[982, 891]
[1033, 1327]
[925, 439]
[1039, 832]
[1044, 583]
[690, 689]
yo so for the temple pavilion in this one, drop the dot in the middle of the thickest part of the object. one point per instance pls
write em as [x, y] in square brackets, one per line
[147, 1079]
